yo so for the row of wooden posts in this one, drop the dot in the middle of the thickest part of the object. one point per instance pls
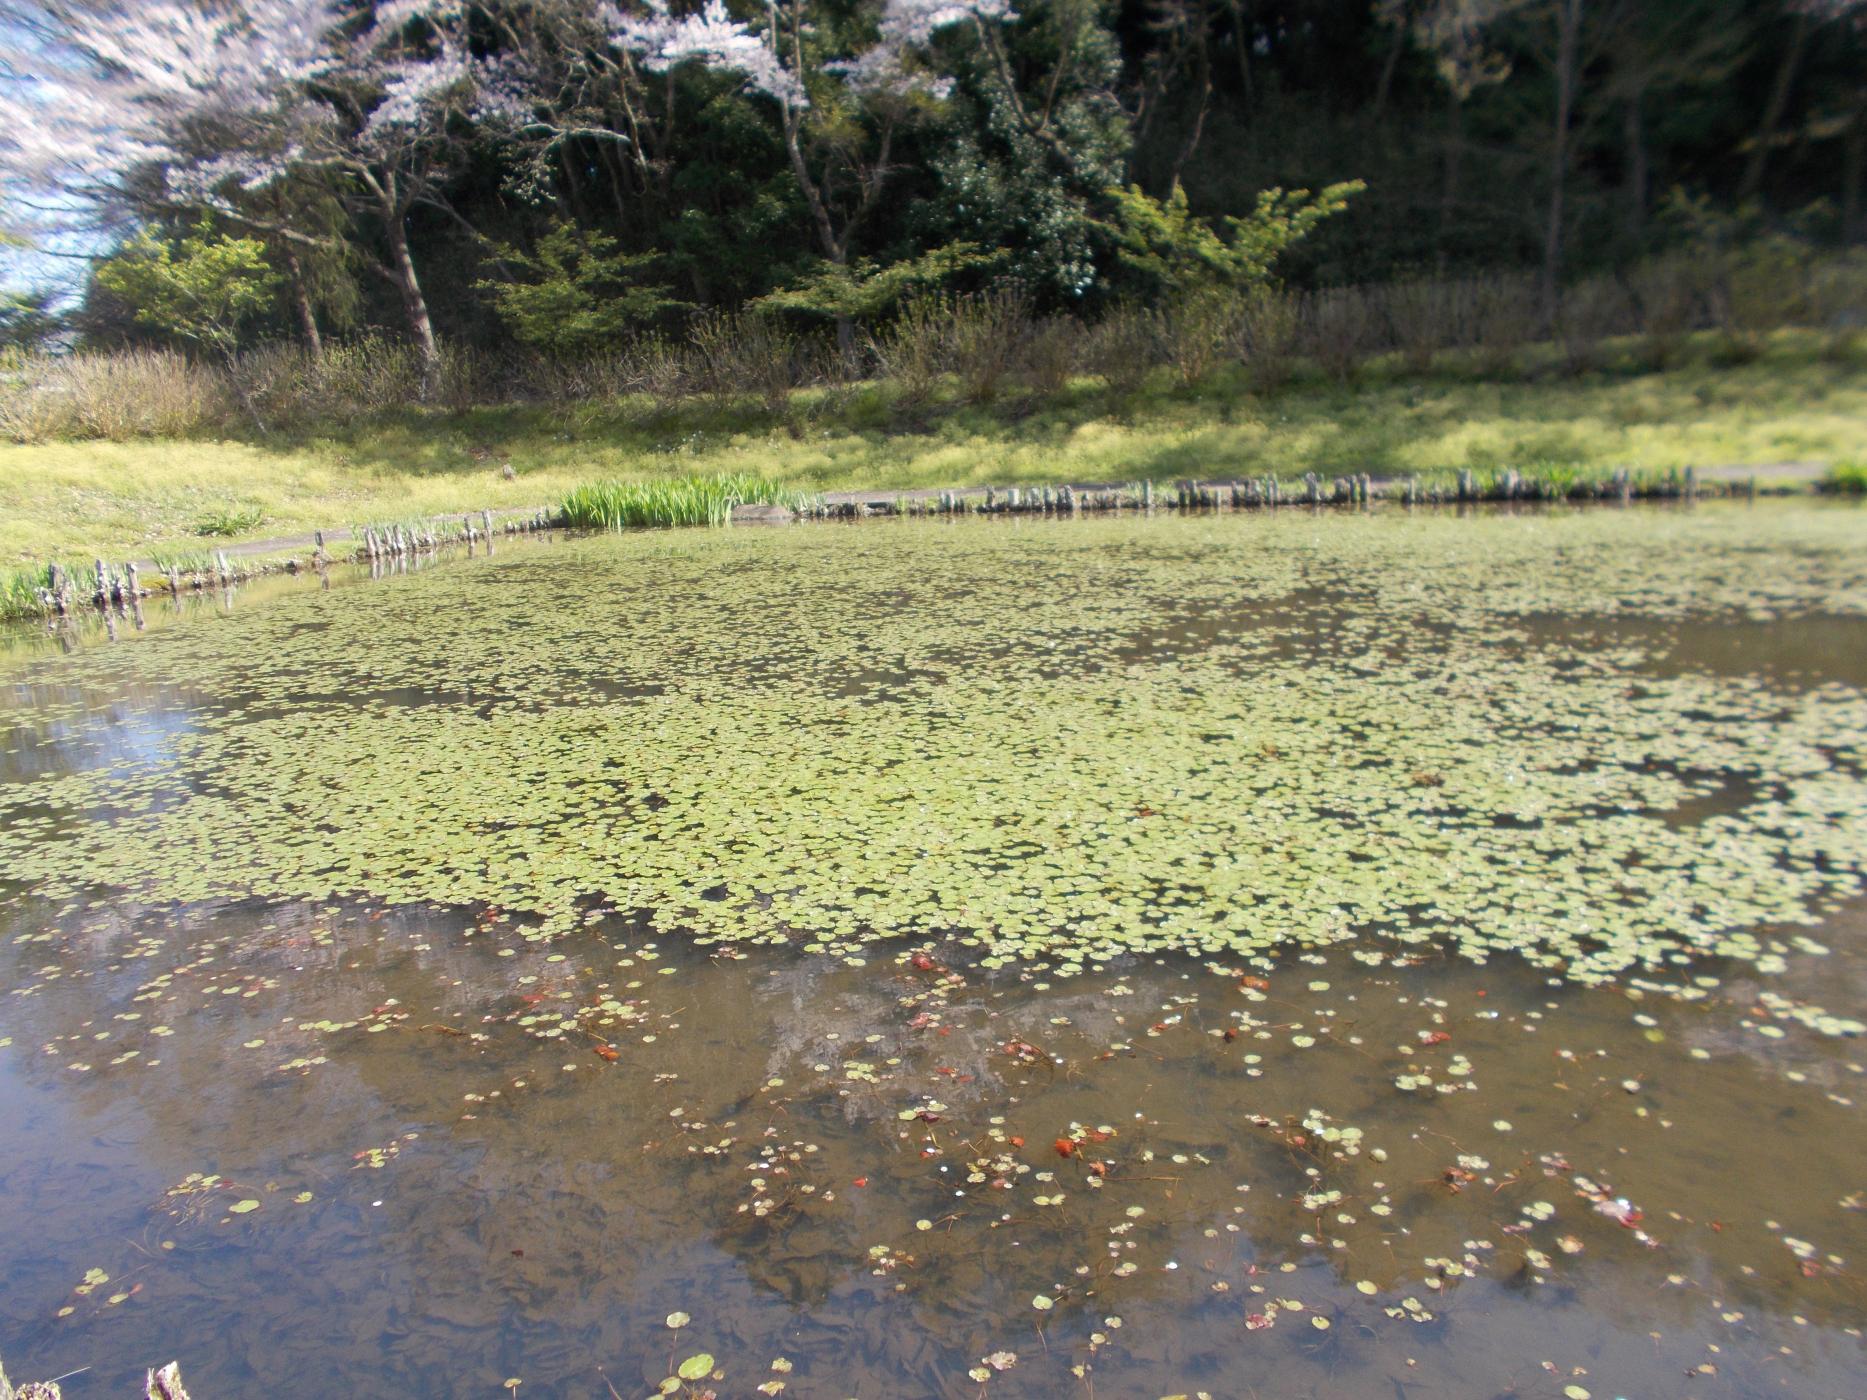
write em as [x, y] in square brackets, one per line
[119, 587]
[400, 542]
[1268, 491]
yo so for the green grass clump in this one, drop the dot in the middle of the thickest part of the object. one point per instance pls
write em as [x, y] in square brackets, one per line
[21, 589]
[229, 523]
[186, 561]
[693, 500]
[19, 592]
[416, 527]
[1846, 478]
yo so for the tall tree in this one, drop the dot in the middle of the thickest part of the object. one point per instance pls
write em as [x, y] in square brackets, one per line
[157, 105]
[839, 111]
[1457, 32]
[1566, 74]
[1656, 51]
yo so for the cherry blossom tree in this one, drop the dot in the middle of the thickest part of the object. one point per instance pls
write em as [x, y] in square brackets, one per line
[112, 110]
[822, 100]
[98, 96]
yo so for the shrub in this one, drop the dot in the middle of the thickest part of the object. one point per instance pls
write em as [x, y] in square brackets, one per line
[1837, 302]
[200, 288]
[289, 386]
[737, 351]
[116, 396]
[986, 333]
[1419, 319]
[1338, 330]
[1504, 316]
[1050, 355]
[911, 348]
[1264, 336]
[1666, 297]
[1180, 253]
[1587, 313]
[1120, 349]
[1192, 330]
[577, 293]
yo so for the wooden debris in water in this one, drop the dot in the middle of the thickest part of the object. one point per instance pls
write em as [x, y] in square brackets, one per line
[163, 1384]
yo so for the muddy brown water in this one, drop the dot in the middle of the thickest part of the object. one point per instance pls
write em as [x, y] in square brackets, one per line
[888, 1179]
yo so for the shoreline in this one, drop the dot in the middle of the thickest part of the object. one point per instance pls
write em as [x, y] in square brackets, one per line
[118, 587]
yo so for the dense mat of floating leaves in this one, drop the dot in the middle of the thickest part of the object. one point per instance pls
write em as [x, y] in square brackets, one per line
[1061, 741]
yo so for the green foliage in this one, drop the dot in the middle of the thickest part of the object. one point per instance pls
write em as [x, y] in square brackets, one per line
[1182, 254]
[694, 500]
[201, 288]
[862, 290]
[576, 294]
[1011, 135]
[1037, 131]
[28, 320]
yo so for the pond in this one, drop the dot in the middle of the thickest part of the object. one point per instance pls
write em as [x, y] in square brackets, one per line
[1404, 954]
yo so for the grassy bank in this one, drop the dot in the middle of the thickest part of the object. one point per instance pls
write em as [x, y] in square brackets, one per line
[153, 497]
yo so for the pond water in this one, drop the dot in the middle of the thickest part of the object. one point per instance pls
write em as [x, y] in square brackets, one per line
[1397, 955]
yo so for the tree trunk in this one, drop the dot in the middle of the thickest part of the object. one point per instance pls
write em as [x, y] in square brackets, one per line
[414, 304]
[1203, 69]
[834, 248]
[301, 303]
[1774, 107]
[1853, 158]
[1449, 190]
[1639, 176]
[1385, 87]
[573, 185]
[1568, 42]
[1243, 47]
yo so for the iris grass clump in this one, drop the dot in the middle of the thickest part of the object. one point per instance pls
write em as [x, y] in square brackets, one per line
[22, 589]
[19, 592]
[693, 500]
[1846, 478]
